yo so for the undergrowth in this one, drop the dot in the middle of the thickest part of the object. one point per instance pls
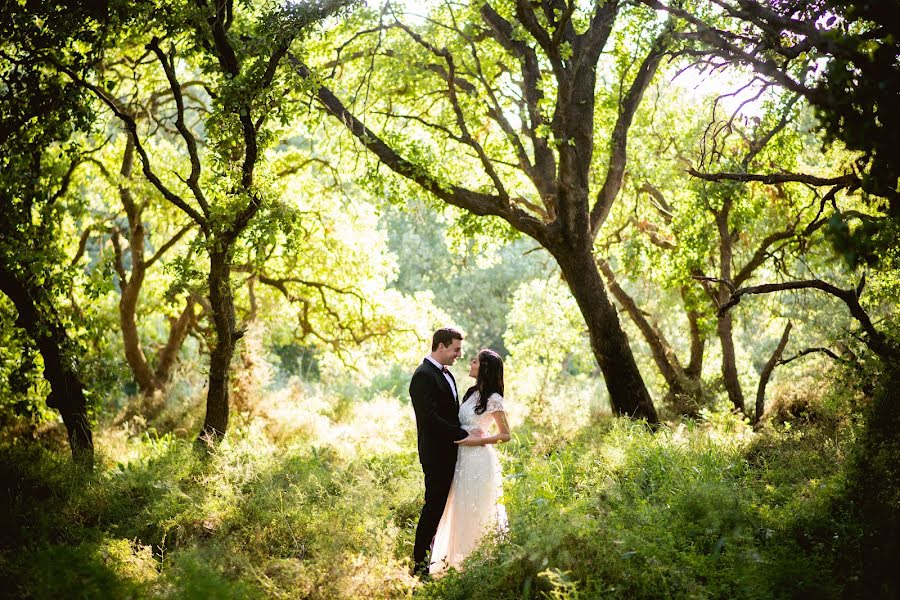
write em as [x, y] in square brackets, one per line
[304, 501]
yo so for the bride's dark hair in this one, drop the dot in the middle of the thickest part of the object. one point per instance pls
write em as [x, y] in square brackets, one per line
[489, 380]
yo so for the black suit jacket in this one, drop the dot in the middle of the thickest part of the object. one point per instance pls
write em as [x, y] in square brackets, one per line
[437, 415]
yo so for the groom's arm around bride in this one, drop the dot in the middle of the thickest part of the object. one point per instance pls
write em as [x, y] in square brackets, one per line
[434, 396]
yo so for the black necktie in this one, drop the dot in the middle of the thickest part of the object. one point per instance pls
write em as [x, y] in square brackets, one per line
[445, 370]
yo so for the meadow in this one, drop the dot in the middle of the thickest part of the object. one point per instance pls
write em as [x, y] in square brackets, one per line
[316, 494]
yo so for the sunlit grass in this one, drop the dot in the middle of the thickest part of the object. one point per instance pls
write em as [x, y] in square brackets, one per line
[315, 494]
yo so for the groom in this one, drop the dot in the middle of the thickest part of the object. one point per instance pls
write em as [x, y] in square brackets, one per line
[435, 400]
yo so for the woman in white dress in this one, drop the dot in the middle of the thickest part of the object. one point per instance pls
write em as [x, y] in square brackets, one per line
[473, 507]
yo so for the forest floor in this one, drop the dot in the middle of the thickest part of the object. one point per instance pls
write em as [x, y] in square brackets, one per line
[313, 497]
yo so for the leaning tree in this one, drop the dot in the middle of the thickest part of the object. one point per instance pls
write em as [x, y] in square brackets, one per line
[497, 109]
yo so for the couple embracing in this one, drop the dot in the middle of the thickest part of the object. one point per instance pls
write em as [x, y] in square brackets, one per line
[462, 473]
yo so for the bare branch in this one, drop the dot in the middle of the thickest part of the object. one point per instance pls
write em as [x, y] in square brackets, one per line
[846, 180]
[165, 247]
[875, 340]
[826, 351]
[758, 144]
[193, 180]
[728, 44]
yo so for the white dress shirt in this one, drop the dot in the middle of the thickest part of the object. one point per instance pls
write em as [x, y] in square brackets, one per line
[447, 376]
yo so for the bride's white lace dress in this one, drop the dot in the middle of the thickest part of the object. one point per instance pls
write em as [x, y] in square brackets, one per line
[473, 507]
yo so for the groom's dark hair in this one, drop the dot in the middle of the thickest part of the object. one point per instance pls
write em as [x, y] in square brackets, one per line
[445, 336]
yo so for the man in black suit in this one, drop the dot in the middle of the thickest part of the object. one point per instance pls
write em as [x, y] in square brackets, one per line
[435, 400]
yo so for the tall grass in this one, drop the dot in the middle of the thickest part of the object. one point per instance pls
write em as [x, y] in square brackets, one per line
[313, 495]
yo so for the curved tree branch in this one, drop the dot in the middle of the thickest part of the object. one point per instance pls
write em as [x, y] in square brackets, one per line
[193, 180]
[847, 180]
[475, 202]
[875, 340]
[615, 172]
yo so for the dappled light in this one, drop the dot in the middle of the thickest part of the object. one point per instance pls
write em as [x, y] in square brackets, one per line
[450, 300]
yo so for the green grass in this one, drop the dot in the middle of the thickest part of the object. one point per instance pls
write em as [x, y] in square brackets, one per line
[325, 506]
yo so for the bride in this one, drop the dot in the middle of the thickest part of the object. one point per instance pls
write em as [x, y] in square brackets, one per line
[473, 507]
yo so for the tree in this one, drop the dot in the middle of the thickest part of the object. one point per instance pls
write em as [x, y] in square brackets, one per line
[240, 54]
[131, 265]
[841, 57]
[39, 113]
[678, 225]
[513, 102]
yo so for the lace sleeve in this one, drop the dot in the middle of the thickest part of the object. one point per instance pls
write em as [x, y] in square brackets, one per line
[494, 404]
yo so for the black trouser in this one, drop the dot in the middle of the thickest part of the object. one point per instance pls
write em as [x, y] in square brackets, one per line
[438, 478]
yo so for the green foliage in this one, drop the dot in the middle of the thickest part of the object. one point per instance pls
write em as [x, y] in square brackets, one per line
[308, 500]
[20, 382]
[623, 513]
[44, 117]
[474, 283]
[545, 333]
[342, 275]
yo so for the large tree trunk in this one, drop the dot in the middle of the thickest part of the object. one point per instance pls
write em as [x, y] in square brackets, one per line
[66, 389]
[627, 393]
[222, 304]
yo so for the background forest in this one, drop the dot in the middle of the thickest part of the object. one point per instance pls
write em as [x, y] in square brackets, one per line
[228, 230]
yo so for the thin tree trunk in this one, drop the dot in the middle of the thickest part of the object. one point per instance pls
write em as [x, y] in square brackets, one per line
[131, 340]
[148, 380]
[627, 392]
[178, 331]
[131, 286]
[677, 379]
[724, 326]
[66, 389]
[694, 369]
[222, 302]
[729, 362]
[767, 373]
